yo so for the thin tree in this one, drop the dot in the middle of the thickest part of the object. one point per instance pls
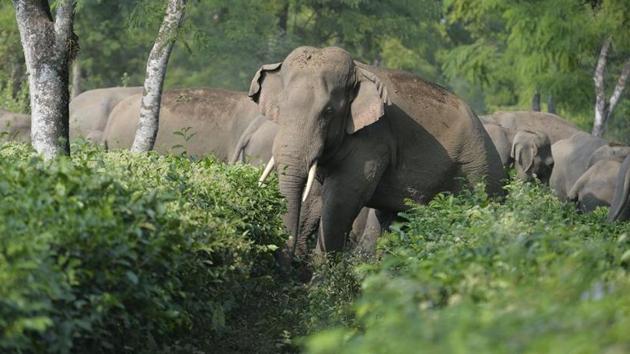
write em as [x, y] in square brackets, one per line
[154, 80]
[76, 79]
[536, 102]
[49, 47]
[551, 106]
[604, 109]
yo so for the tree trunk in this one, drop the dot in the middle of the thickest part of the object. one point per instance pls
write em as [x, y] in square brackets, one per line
[76, 79]
[536, 102]
[604, 109]
[551, 106]
[156, 70]
[283, 18]
[600, 96]
[49, 45]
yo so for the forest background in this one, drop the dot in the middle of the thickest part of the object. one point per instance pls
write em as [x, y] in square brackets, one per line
[496, 54]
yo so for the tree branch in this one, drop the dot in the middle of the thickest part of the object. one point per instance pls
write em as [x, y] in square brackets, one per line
[621, 84]
[63, 20]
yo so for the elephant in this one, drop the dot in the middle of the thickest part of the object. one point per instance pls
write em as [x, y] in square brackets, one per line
[198, 121]
[373, 137]
[90, 110]
[499, 138]
[15, 127]
[531, 153]
[572, 157]
[620, 207]
[255, 142]
[604, 183]
[554, 126]
[596, 186]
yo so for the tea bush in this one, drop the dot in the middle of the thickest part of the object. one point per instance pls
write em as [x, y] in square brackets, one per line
[465, 274]
[119, 252]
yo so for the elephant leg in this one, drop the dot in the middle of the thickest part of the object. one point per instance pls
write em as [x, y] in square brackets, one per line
[378, 221]
[358, 227]
[344, 193]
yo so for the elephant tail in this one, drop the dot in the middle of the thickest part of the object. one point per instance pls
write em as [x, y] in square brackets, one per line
[620, 207]
[239, 150]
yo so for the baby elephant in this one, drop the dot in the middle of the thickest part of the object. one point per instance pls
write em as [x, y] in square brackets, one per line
[531, 153]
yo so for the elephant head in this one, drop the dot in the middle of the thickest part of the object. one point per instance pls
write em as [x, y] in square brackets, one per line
[531, 152]
[318, 97]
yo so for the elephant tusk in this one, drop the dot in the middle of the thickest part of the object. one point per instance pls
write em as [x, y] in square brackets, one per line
[266, 172]
[309, 181]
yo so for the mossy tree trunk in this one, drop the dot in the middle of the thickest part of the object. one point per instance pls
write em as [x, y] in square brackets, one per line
[49, 47]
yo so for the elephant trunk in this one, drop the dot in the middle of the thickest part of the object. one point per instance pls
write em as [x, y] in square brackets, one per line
[620, 207]
[292, 179]
[296, 154]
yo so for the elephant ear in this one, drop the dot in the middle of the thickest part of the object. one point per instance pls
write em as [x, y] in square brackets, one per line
[524, 155]
[265, 90]
[369, 101]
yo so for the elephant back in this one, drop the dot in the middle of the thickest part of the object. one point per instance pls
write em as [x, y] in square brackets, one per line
[198, 121]
[554, 126]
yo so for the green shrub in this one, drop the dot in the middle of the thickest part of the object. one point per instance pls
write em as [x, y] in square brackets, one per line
[119, 252]
[468, 275]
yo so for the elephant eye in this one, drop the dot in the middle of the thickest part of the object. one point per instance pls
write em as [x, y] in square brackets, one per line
[328, 111]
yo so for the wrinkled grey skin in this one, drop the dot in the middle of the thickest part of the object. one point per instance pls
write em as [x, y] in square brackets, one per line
[198, 121]
[501, 142]
[378, 136]
[531, 153]
[620, 206]
[571, 159]
[89, 110]
[554, 126]
[15, 127]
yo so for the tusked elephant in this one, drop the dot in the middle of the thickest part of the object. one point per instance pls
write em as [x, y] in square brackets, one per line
[373, 137]
[199, 121]
[572, 158]
[89, 110]
[531, 153]
[15, 127]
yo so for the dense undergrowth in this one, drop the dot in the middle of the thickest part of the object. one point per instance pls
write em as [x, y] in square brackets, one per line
[116, 252]
[469, 275]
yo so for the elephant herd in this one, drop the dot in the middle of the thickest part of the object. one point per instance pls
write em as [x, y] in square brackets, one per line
[352, 142]
[578, 167]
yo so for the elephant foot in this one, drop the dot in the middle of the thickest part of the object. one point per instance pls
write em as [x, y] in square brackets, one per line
[290, 266]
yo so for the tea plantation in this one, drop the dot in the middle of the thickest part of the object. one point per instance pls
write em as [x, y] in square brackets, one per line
[116, 252]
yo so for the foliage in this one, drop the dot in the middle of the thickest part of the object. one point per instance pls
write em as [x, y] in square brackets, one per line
[124, 253]
[515, 48]
[13, 90]
[467, 274]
